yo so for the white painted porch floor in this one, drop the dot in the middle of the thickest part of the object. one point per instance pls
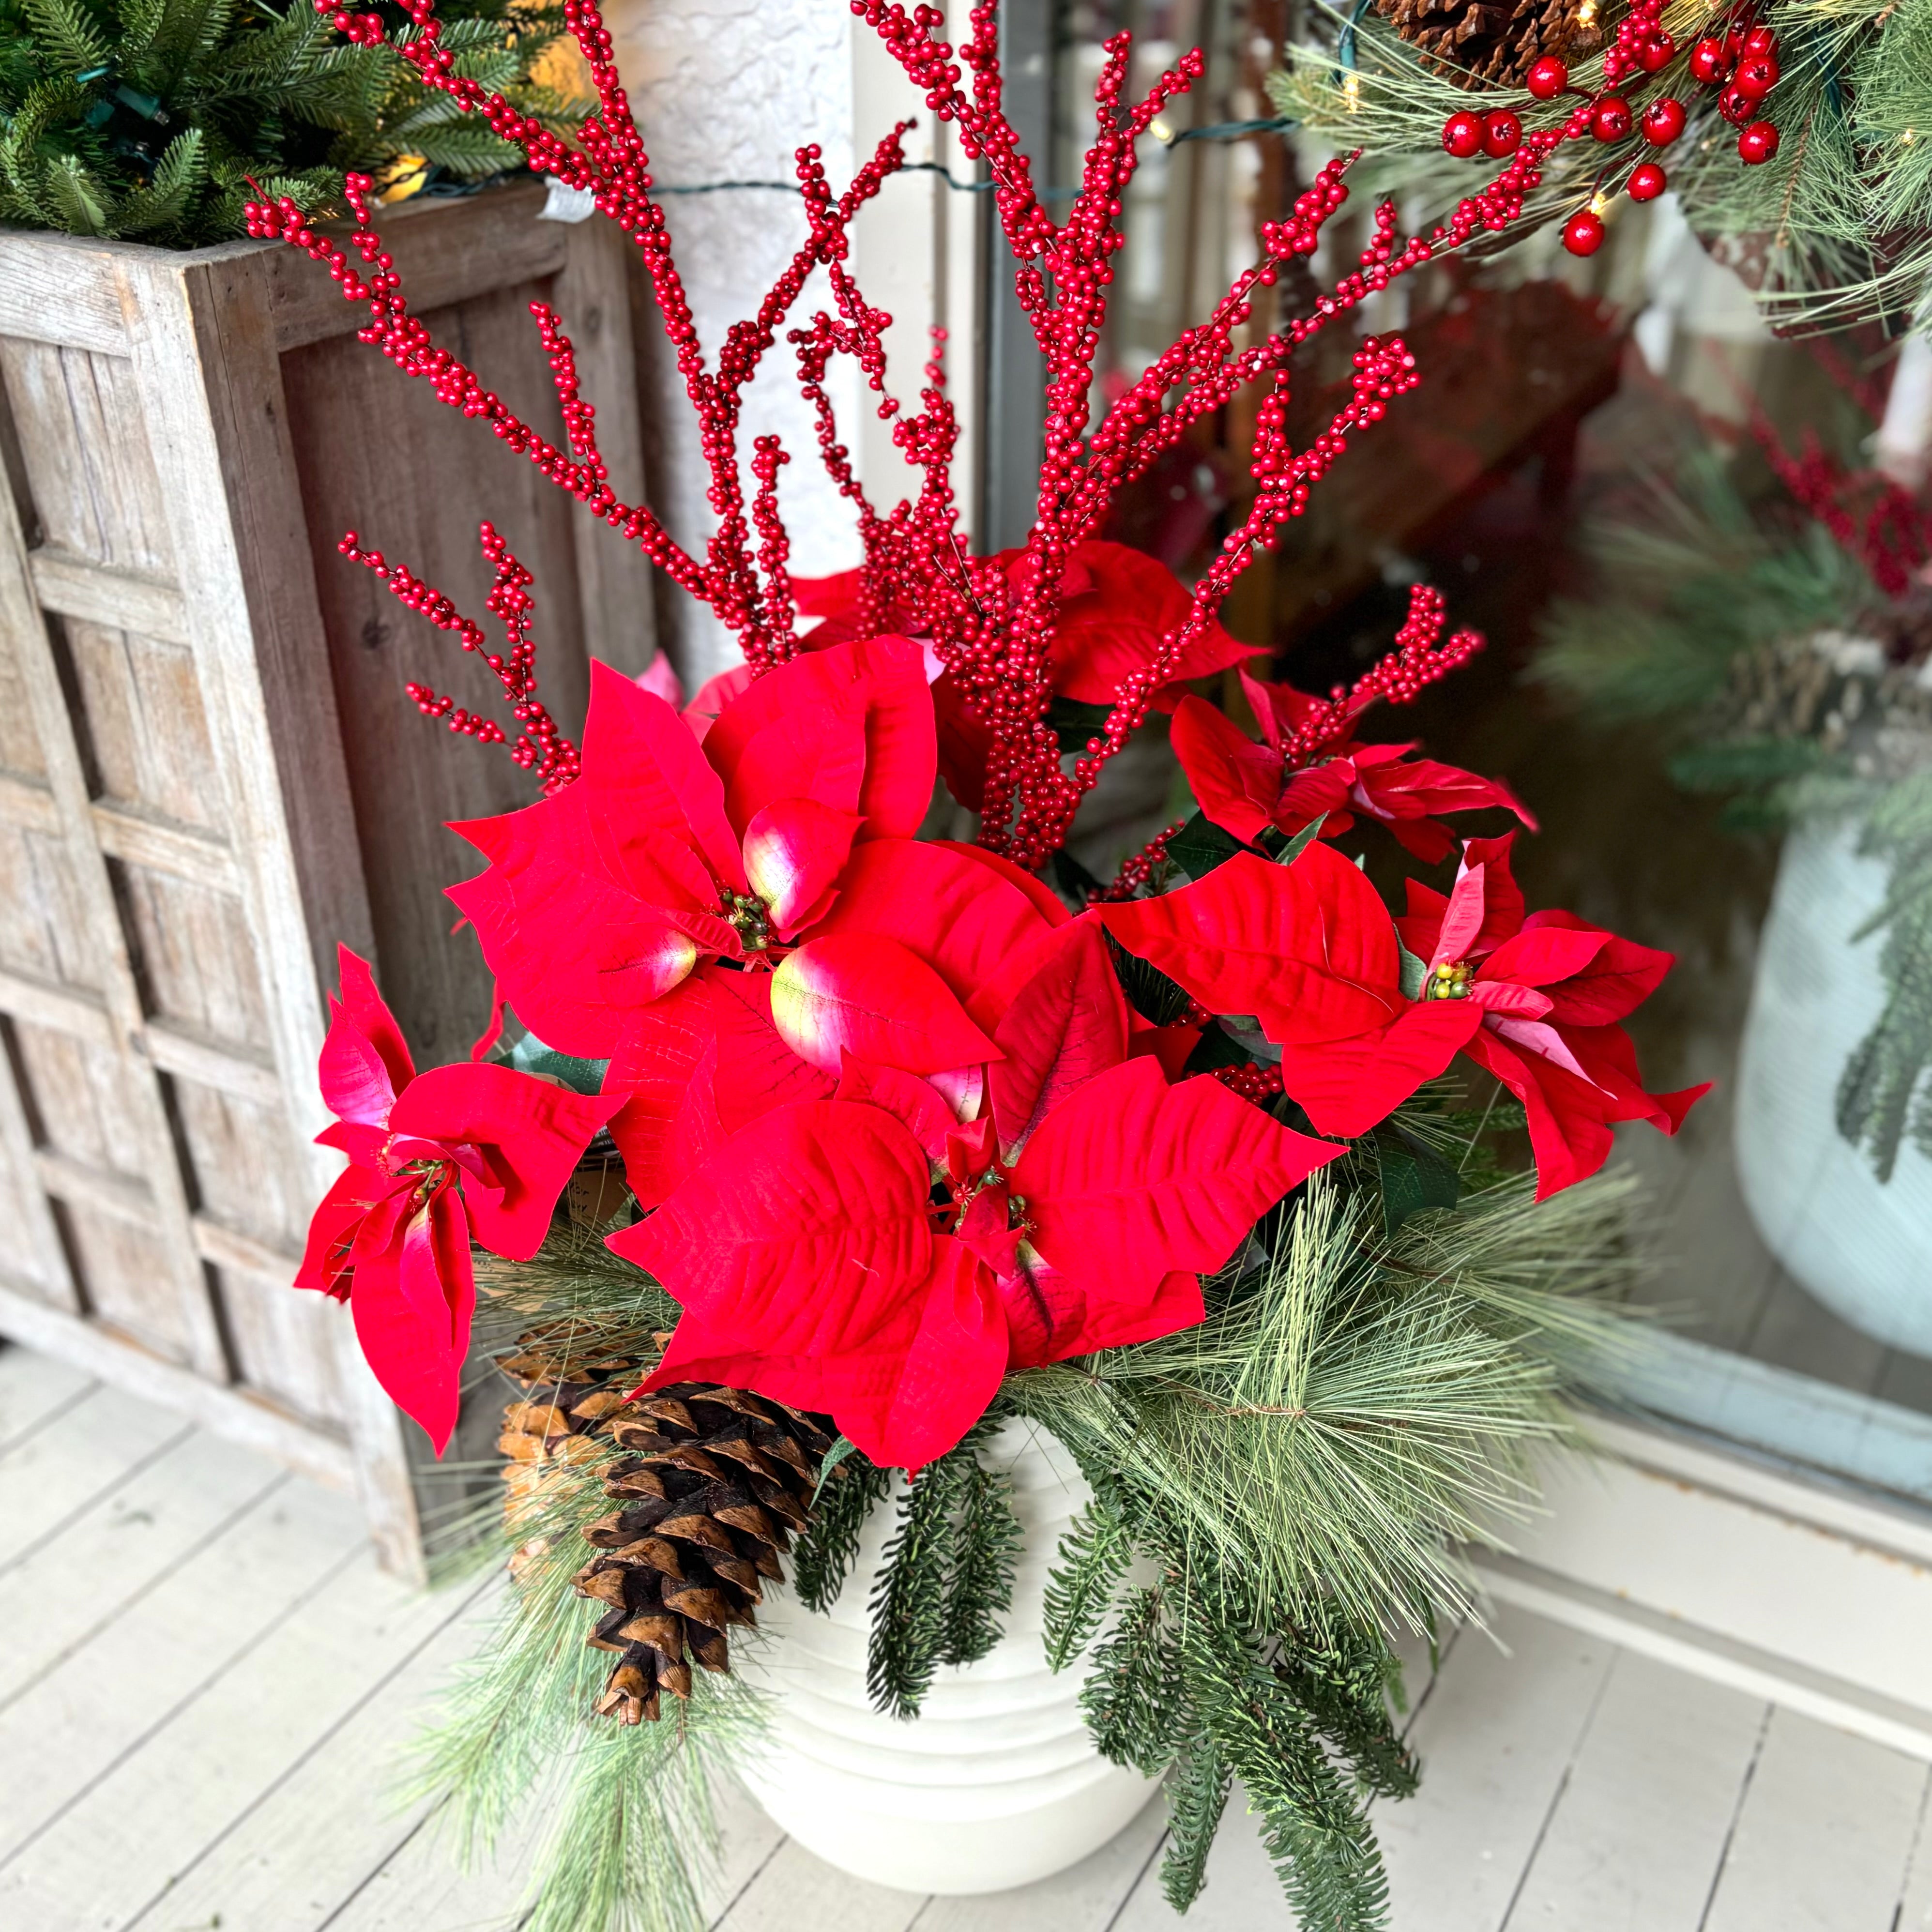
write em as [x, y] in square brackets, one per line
[204, 1683]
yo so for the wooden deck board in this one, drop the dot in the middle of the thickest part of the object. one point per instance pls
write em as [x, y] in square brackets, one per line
[214, 1739]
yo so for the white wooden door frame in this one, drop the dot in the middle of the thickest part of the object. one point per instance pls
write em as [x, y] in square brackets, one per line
[1815, 1596]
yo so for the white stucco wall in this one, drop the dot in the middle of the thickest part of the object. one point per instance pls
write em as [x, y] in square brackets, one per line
[728, 90]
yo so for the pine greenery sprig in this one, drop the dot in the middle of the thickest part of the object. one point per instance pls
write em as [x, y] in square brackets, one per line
[1839, 223]
[144, 119]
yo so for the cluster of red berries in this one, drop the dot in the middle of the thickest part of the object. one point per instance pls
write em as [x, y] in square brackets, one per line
[1743, 62]
[359, 30]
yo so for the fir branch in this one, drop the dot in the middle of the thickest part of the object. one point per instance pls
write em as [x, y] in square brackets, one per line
[1198, 1787]
[987, 1541]
[1131, 1700]
[1094, 1554]
[908, 1605]
[823, 1555]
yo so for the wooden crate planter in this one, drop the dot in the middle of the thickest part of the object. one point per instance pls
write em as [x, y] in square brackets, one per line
[209, 773]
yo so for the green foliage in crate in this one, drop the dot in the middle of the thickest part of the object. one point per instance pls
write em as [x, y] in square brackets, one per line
[145, 119]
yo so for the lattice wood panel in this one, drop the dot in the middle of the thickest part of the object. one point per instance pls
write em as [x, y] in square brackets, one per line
[208, 774]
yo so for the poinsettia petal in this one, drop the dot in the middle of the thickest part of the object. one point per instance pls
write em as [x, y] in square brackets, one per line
[1346, 1087]
[975, 928]
[1279, 709]
[1067, 1024]
[905, 1397]
[1538, 1040]
[1420, 927]
[1502, 897]
[965, 743]
[870, 997]
[354, 1080]
[1129, 1180]
[713, 694]
[1308, 948]
[580, 923]
[794, 850]
[1541, 956]
[649, 776]
[851, 727]
[326, 1255]
[1614, 982]
[1397, 787]
[1506, 997]
[1051, 1317]
[412, 1306]
[1462, 921]
[804, 1235]
[530, 1131]
[918, 1106]
[1235, 782]
[1039, 894]
[1321, 792]
[369, 1014]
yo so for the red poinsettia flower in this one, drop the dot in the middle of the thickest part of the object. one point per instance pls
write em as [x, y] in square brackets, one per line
[1551, 989]
[624, 916]
[1310, 952]
[1245, 787]
[460, 1153]
[870, 1256]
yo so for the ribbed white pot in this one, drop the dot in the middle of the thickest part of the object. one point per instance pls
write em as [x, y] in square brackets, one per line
[1862, 1247]
[996, 1784]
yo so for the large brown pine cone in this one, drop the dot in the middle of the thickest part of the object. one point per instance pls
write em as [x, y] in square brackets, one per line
[1472, 41]
[712, 1482]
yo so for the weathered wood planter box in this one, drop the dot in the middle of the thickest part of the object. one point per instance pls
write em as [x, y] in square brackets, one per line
[209, 772]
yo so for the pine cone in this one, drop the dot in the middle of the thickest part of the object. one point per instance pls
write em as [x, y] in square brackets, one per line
[1471, 41]
[713, 1482]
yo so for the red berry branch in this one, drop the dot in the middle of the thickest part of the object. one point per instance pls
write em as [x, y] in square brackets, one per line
[991, 622]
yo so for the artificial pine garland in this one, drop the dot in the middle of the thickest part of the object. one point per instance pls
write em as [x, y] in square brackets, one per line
[158, 120]
[1803, 160]
[919, 1136]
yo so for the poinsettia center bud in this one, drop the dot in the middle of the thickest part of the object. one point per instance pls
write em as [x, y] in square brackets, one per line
[747, 915]
[430, 1174]
[1448, 983]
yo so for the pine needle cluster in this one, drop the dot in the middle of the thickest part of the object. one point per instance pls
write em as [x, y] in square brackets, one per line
[1836, 228]
[145, 119]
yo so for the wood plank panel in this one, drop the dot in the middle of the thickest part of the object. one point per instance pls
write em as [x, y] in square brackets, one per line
[98, 593]
[1496, 1737]
[79, 419]
[119, 1262]
[162, 1511]
[409, 776]
[77, 1096]
[1660, 1769]
[80, 1458]
[38, 1254]
[269, 1799]
[44, 916]
[285, 1342]
[1241, 1893]
[142, 710]
[247, 1169]
[69, 1729]
[241, 1416]
[58, 288]
[139, 837]
[195, 955]
[35, 1391]
[1824, 1837]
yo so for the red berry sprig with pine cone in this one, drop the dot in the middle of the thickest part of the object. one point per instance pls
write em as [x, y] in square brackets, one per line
[1738, 61]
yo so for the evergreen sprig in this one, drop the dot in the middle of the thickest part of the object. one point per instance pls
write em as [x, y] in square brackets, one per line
[145, 119]
[946, 1576]
[1838, 226]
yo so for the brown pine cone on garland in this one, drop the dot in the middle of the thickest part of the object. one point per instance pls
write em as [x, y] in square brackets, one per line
[1472, 41]
[713, 1482]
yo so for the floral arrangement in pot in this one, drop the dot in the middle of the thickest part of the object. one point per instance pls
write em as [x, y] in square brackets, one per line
[1099, 1300]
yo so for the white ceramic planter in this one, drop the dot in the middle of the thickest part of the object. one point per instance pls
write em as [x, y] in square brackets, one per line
[996, 1784]
[1863, 1249]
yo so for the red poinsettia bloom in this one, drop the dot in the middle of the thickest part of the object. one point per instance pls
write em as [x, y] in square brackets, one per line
[1245, 787]
[1551, 989]
[1117, 604]
[458, 1153]
[870, 1256]
[633, 916]
[1310, 952]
